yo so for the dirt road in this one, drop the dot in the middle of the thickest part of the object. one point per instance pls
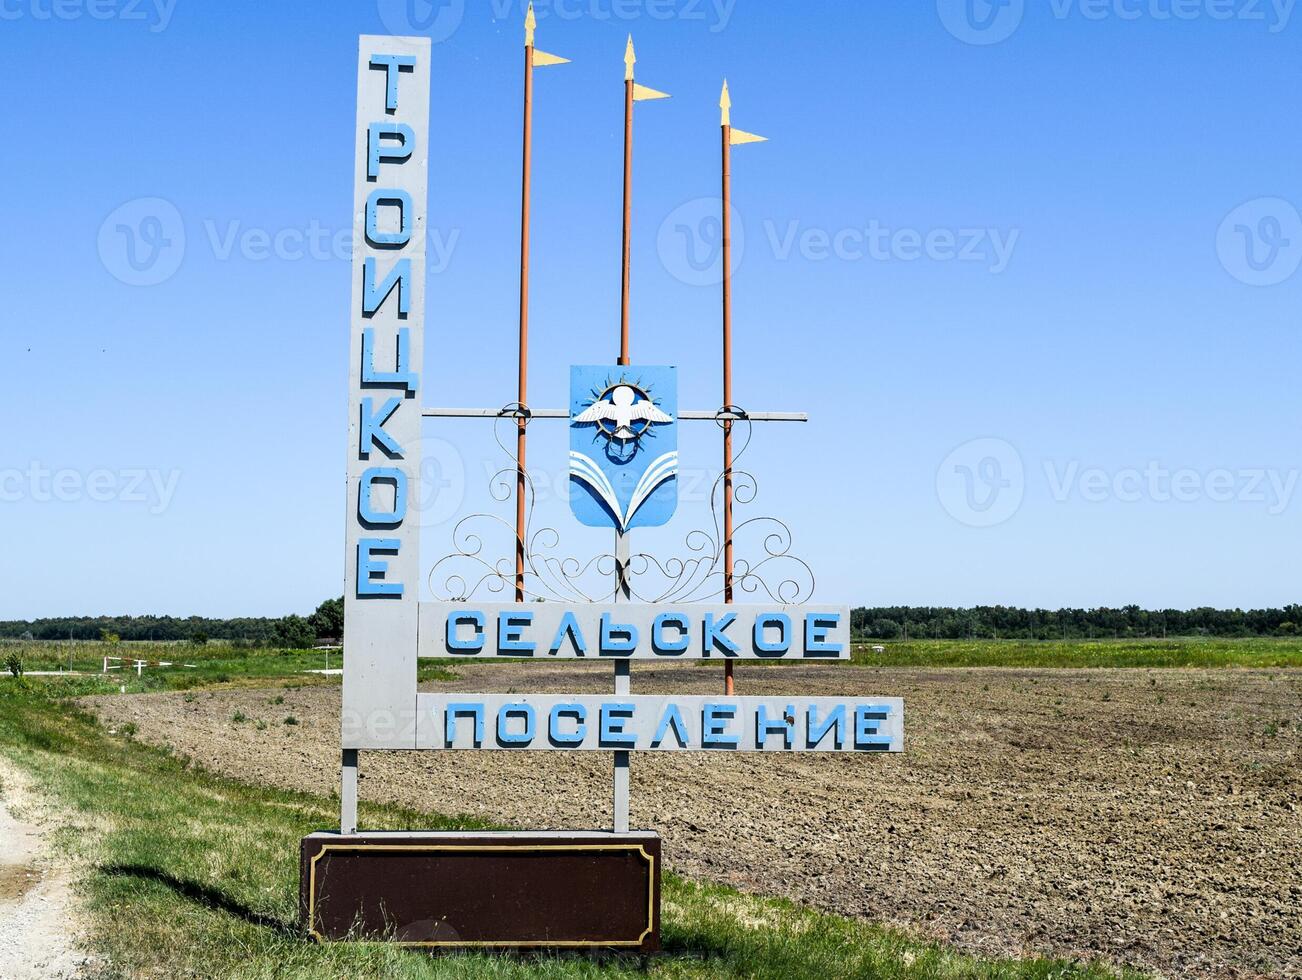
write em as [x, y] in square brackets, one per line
[1146, 817]
[37, 923]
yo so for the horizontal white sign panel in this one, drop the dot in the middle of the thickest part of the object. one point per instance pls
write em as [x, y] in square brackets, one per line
[659, 723]
[547, 630]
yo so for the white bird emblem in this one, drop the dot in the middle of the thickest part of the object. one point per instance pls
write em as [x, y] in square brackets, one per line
[623, 409]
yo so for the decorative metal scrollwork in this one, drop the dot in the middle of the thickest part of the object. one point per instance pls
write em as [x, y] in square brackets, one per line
[764, 569]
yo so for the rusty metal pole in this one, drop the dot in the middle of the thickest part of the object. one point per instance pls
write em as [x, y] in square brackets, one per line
[522, 388]
[624, 357]
[632, 93]
[623, 591]
[623, 678]
[730, 137]
[532, 58]
[729, 682]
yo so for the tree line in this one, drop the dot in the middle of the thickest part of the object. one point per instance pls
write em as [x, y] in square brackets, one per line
[879, 622]
[294, 632]
[1008, 622]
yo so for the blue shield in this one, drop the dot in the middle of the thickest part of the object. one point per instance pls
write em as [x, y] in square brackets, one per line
[623, 445]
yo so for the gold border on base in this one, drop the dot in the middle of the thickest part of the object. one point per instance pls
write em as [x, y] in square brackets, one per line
[434, 848]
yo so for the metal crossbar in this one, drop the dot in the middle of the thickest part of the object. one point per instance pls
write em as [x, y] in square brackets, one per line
[560, 413]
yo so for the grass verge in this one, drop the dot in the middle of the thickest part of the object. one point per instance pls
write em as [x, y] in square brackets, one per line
[212, 665]
[1175, 652]
[188, 874]
[225, 666]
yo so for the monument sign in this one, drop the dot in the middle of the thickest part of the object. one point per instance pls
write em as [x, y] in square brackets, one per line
[559, 889]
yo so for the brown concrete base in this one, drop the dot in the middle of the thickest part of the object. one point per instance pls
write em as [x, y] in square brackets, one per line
[558, 890]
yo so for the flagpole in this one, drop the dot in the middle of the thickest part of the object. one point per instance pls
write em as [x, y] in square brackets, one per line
[627, 264]
[522, 389]
[623, 590]
[531, 59]
[632, 93]
[623, 675]
[730, 136]
[623, 678]
[729, 682]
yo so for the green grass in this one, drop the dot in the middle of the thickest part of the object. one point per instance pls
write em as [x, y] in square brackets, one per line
[187, 873]
[224, 666]
[213, 665]
[1175, 652]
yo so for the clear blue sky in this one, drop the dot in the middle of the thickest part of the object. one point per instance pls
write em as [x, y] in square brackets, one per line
[1061, 369]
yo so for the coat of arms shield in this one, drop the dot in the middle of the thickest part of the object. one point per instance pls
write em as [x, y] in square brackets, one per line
[623, 445]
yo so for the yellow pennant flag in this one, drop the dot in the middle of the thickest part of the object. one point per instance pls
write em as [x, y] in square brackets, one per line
[643, 94]
[640, 92]
[736, 137]
[540, 58]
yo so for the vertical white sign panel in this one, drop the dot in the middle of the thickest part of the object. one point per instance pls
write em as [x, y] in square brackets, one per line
[382, 577]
